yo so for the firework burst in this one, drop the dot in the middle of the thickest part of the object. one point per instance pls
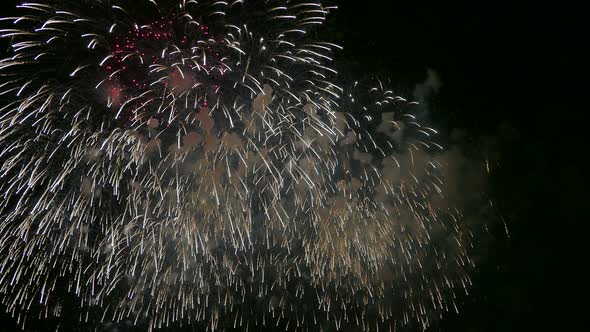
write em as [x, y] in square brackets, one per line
[193, 162]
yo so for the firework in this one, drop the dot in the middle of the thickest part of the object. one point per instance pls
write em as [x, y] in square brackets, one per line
[193, 162]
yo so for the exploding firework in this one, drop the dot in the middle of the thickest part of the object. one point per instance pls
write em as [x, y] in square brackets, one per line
[194, 162]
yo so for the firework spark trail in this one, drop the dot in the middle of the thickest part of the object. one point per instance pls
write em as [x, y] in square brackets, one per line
[194, 162]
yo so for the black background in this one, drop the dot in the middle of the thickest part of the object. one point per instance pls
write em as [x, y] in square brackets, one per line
[497, 64]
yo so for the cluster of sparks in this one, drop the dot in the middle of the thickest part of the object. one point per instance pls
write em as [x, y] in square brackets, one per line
[192, 162]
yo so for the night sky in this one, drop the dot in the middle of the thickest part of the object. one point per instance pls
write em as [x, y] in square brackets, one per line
[497, 66]
[486, 59]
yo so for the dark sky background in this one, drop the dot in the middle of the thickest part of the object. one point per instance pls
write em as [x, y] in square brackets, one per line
[492, 62]
[497, 64]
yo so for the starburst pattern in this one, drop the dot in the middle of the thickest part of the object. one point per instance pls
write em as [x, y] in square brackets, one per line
[193, 162]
